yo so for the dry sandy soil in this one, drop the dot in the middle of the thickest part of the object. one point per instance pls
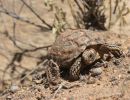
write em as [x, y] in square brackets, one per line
[112, 84]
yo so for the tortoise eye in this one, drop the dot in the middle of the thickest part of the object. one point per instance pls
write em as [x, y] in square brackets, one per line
[90, 55]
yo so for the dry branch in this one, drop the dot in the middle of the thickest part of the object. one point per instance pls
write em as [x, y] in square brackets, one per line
[39, 17]
[14, 15]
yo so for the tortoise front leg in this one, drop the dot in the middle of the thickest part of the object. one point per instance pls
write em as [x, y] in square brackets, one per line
[52, 72]
[111, 49]
[75, 70]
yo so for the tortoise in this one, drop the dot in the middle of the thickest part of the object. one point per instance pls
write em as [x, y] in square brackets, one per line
[75, 50]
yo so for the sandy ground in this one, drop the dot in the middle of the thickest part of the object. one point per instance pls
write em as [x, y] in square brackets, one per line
[112, 84]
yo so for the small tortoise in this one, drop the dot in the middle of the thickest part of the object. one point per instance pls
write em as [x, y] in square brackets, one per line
[75, 49]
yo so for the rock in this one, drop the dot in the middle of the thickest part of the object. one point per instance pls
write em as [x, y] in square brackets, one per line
[117, 61]
[96, 71]
[112, 78]
[82, 78]
[9, 97]
[14, 88]
[91, 81]
[128, 77]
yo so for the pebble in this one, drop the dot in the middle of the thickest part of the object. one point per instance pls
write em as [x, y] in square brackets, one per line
[96, 71]
[115, 80]
[91, 81]
[9, 98]
[82, 78]
[14, 88]
[117, 61]
[128, 77]
[112, 78]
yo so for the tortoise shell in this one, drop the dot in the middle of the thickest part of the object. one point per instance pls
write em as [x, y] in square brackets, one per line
[71, 44]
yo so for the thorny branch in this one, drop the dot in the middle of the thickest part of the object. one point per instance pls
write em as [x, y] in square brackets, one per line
[17, 56]
[43, 21]
[14, 15]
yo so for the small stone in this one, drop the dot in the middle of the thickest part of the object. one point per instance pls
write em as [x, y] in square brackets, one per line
[117, 61]
[112, 78]
[128, 77]
[9, 98]
[38, 81]
[96, 71]
[14, 88]
[91, 81]
[82, 78]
